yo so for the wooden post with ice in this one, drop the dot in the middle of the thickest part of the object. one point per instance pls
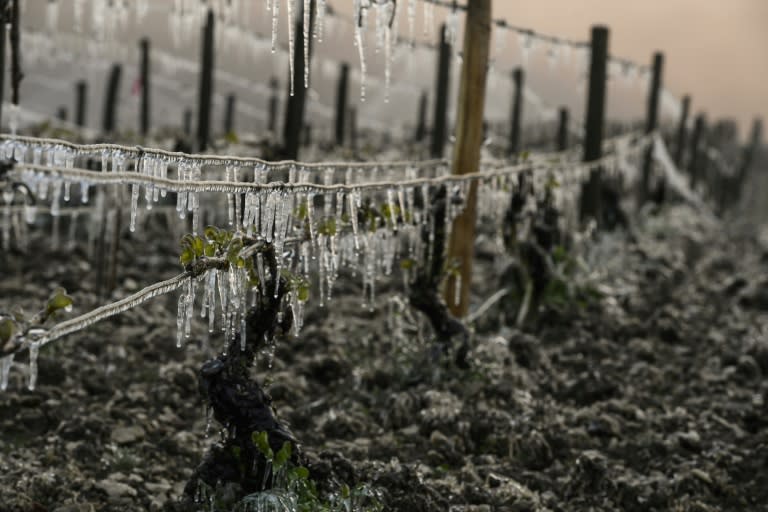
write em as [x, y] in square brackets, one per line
[562, 129]
[591, 202]
[442, 83]
[81, 102]
[144, 109]
[342, 92]
[682, 132]
[109, 121]
[469, 139]
[294, 111]
[518, 79]
[651, 122]
[206, 85]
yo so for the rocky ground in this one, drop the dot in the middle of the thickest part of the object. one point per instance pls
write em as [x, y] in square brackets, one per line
[654, 397]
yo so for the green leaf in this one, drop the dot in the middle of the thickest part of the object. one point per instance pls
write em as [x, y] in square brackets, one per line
[301, 472]
[303, 291]
[345, 491]
[407, 263]
[198, 245]
[231, 138]
[261, 441]
[7, 329]
[59, 300]
[209, 250]
[283, 455]
[187, 256]
[211, 233]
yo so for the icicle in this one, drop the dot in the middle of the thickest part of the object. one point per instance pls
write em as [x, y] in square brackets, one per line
[291, 42]
[456, 289]
[67, 187]
[238, 198]
[230, 197]
[275, 17]
[34, 349]
[307, 21]
[261, 273]
[55, 206]
[211, 292]
[5, 369]
[320, 20]
[353, 217]
[391, 208]
[134, 206]
[387, 62]
[223, 296]
[311, 217]
[180, 317]
[281, 218]
[361, 51]
[242, 333]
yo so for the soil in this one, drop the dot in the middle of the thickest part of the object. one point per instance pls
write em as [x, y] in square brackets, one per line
[651, 397]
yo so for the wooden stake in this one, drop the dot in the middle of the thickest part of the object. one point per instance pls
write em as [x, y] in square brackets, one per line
[61, 113]
[421, 125]
[518, 78]
[205, 91]
[562, 130]
[109, 121]
[682, 132]
[469, 139]
[273, 102]
[144, 109]
[442, 83]
[694, 162]
[81, 102]
[342, 92]
[187, 121]
[591, 195]
[651, 123]
[294, 112]
[229, 114]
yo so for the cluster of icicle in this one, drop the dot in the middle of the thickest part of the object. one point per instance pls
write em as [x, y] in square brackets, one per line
[296, 220]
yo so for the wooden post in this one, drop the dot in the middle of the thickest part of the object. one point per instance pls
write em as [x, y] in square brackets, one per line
[341, 102]
[469, 139]
[206, 84]
[229, 114]
[518, 79]
[81, 102]
[651, 122]
[353, 128]
[421, 125]
[682, 132]
[62, 114]
[187, 121]
[109, 121]
[562, 130]
[591, 201]
[273, 101]
[699, 129]
[751, 150]
[144, 109]
[442, 83]
[294, 112]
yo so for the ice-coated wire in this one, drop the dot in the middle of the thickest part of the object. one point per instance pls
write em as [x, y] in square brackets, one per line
[137, 151]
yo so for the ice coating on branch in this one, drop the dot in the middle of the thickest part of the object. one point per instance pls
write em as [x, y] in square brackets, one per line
[321, 7]
[6, 364]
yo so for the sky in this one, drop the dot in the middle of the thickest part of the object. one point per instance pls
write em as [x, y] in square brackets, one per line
[716, 51]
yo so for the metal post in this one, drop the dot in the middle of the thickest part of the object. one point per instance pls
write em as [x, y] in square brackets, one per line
[294, 112]
[421, 126]
[206, 84]
[652, 121]
[440, 120]
[518, 78]
[144, 110]
[341, 102]
[81, 102]
[109, 121]
[682, 132]
[562, 130]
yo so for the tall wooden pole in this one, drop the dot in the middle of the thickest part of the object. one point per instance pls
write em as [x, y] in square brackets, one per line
[591, 200]
[518, 79]
[294, 111]
[109, 121]
[651, 121]
[755, 139]
[562, 130]
[205, 92]
[144, 110]
[342, 91]
[682, 132]
[421, 125]
[81, 102]
[442, 83]
[469, 139]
